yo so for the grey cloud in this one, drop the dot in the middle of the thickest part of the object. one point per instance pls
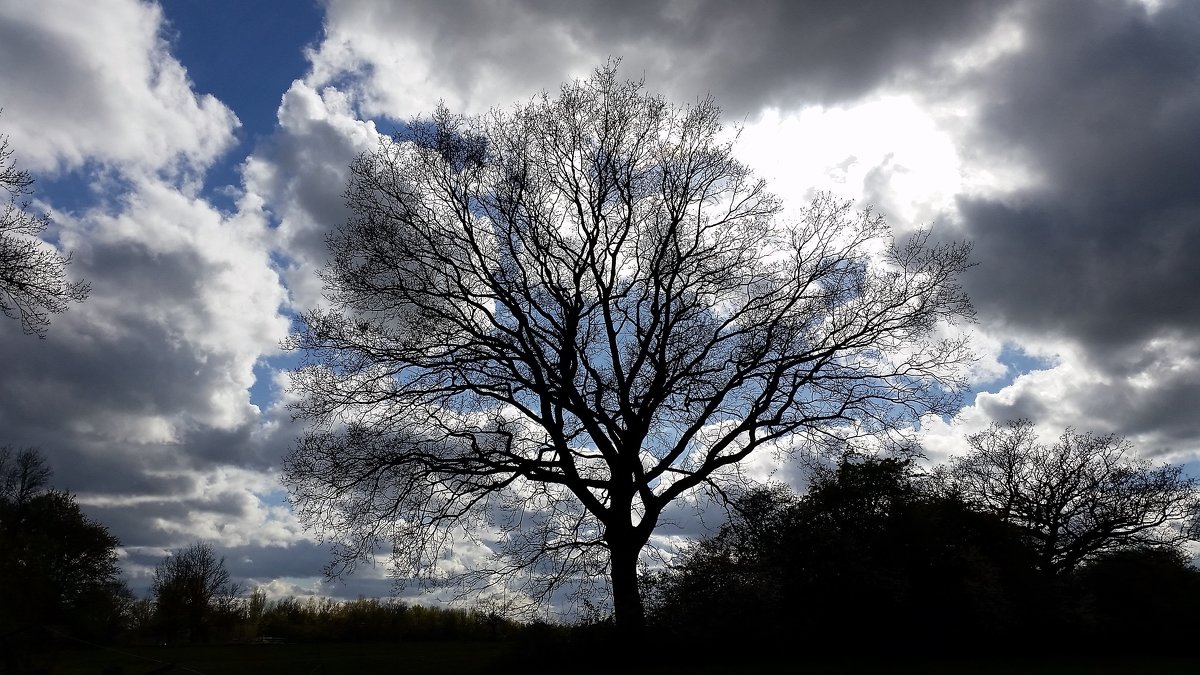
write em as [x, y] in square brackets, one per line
[95, 394]
[300, 559]
[250, 566]
[1102, 105]
[311, 168]
[781, 53]
[747, 54]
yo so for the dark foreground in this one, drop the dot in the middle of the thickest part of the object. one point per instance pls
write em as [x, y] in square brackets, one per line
[495, 657]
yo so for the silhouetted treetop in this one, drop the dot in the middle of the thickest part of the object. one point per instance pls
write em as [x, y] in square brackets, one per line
[1081, 496]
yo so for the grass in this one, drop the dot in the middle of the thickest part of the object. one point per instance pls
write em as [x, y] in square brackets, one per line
[492, 658]
[452, 658]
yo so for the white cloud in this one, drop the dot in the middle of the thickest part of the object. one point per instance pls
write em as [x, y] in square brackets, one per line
[200, 281]
[885, 151]
[399, 67]
[1139, 399]
[298, 175]
[96, 81]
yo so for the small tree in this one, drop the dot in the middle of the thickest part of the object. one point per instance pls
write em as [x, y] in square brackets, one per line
[1085, 495]
[556, 321]
[1136, 597]
[192, 591]
[33, 281]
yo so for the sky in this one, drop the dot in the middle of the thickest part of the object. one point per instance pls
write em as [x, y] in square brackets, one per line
[193, 155]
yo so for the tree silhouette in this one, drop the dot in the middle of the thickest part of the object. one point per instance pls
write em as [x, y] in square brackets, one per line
[1141, 596]
[1085, 495]
[23, 474]
[33, 281]
[869, 544]
[555, 321]
[192, 592]
[57, 565]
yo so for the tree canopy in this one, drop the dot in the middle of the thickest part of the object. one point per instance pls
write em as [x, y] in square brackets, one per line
[869, 544]
[1084, 495]
[878, 559]
[546, 324]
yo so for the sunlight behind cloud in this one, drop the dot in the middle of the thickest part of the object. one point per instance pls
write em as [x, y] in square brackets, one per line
[887, 149]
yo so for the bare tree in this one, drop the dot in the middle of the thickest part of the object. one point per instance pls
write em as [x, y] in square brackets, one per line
[1083, 496]
[556, 320]
[191, 588]
[24, 473]
[33, 282]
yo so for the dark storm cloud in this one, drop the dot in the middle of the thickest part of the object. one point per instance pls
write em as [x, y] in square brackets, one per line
[786, 53]
[1103, 105]
[747, 54]
[299, 559]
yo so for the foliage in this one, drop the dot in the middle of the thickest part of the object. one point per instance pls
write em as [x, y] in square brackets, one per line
[59, 566]
[550, 323]
[373, 620]
[1081, 497]
[1138, 596]
[868, 545]
[33, 281]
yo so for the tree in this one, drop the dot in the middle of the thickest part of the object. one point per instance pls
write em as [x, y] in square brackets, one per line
[557, 320]
[869, 544]
[33, 282]
[192, 591]
[1083, 496]
[1137, 597]
[23, 474]
[58, 566]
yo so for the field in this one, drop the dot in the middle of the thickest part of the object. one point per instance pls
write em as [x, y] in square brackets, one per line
[492, 658]
[273, 659]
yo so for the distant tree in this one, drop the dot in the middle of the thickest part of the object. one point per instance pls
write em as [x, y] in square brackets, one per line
[192, 593]
[1081, 497]
[33, 282]
[57, 565]
[557, 320]
[868, 545]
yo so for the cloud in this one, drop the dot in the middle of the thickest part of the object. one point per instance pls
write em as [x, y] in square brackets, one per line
[1096, 253]
[96, 81]
[142, 391]
[768, 53]
[298, 175]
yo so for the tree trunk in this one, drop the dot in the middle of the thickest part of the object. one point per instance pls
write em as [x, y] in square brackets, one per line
[629, 617]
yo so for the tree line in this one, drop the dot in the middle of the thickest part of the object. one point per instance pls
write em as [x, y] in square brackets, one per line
[1017, 548]
[63, 587]
[1016, 542]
